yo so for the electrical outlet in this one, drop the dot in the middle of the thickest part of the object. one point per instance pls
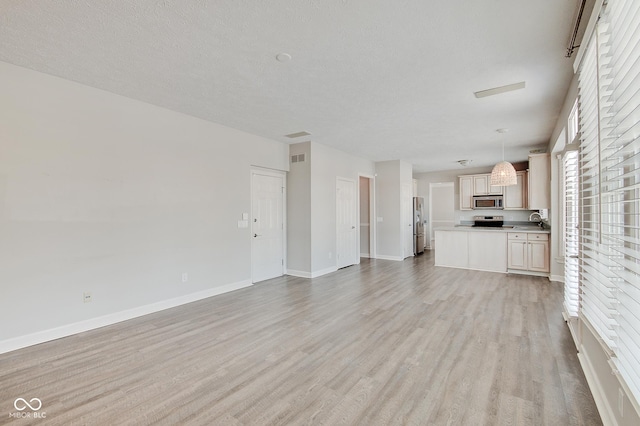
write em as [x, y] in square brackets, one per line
[185, 277]
[86, 297]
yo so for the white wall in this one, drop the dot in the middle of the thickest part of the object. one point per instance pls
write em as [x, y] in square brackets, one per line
[299, 211]
[327, 164]
[312, 232]
[390, 178]
[113, 196]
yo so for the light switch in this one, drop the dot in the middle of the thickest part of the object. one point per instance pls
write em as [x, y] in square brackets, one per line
[245, 216]
[243, 224]
[379, 219]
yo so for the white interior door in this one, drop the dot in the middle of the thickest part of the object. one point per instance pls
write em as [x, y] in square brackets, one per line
[346, 222]
[267, 225]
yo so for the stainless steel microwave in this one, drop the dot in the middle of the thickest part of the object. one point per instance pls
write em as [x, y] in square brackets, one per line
[488, 202]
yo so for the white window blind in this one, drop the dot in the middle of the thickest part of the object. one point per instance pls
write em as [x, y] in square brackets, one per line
[609, 91]
[571, 240]
[620, 171]
[598, 302]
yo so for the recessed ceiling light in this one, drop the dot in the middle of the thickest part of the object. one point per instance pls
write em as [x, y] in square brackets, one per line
[499, 90]
[283, 57]
[297, 135]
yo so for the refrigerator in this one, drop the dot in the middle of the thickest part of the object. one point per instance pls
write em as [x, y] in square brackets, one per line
[418, 225]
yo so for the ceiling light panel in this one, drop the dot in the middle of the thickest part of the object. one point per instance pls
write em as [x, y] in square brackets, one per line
[499, 90]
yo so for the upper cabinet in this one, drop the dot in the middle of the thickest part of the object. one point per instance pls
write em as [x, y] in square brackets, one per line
[515, 196]
[539, 181]
[482, 185]
[466, 192]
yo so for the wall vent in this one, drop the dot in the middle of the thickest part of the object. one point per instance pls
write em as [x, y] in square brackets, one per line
[298, 158]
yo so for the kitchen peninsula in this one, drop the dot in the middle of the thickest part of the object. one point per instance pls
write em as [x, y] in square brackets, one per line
[509, 249]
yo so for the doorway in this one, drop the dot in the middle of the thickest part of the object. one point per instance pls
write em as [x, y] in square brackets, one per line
[441, 208]
[267, 224]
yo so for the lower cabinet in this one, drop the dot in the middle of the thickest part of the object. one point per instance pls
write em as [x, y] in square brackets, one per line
[528, 252]
[483, 251]
[488, 251]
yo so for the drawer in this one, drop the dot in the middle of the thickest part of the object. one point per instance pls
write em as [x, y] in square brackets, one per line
[538, 237]
[517, 236]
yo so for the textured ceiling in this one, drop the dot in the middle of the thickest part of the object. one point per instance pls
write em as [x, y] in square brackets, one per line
[379, 79]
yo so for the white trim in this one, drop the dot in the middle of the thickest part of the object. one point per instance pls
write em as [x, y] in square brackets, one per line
[325, 271]
[557, 278]
[605, 410]
[364, 255]
[372, 216]
[315, 274]
[116, 317]
[383, 257]
[572, 324]
[300, 274]
[527, 272]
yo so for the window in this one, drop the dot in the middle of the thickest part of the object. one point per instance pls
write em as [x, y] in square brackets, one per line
[573, 123]
[571, 276]
[609, 118]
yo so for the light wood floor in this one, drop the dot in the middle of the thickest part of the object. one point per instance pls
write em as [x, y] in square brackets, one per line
[382, 342]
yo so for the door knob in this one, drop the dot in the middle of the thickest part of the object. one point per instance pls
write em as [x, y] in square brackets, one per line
[353, 227]
[256, 235]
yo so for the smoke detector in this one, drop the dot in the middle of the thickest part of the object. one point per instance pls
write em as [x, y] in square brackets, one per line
[464, 163]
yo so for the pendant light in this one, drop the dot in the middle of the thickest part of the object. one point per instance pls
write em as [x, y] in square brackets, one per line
[503, 173]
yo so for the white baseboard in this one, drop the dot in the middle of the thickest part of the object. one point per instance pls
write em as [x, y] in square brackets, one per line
[116, 317]
[383, 257]
[602, 403]
[301, 274]
[557, 278]
[325, 271]
[314, 274]
[364, 254]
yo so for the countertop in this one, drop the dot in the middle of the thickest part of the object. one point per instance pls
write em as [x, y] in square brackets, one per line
[506, 228]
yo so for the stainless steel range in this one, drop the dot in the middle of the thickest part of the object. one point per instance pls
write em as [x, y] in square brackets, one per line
[488, 221]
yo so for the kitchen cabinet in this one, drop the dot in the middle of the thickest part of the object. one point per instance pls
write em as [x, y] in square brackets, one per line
[466, 192]
[478, 250]
[515, 196]
[539, 181]
[482, 185]
[487, 251]
[472, 185]
[451, 249]
[528, 252]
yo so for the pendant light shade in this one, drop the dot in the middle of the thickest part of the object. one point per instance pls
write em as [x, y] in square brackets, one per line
[504, 174]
